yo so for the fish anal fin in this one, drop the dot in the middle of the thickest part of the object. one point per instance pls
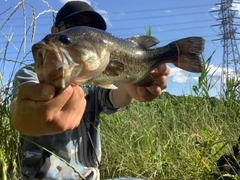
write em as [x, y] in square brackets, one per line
[144, 41]
[114, 68]
[145, 82]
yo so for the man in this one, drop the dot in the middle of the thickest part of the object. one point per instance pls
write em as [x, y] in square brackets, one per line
[61, 138]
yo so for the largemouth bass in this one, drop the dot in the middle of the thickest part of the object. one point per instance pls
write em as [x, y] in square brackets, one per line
[85, 55]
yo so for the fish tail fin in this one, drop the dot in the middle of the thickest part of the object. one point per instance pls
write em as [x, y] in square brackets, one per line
[189, 50]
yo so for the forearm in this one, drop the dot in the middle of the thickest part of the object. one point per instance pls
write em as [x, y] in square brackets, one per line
[121, 97]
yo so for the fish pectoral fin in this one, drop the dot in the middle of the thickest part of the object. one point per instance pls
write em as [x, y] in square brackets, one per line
[144, 41]
[145, 82]
[114, 68]
[108, 86]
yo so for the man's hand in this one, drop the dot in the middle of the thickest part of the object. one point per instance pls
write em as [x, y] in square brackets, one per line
[127, 92]
[36, 111]
[150, 93]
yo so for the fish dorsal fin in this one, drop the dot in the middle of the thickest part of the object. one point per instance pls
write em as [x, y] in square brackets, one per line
[145, 82]
[144, 41]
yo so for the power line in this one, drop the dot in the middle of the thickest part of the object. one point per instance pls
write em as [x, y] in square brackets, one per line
[140, 11]
[140, 27]
[166, 25]
[154, 17]
[158, 9]
[211, 36]
[163, 25]
[126, 35]
[138, 18]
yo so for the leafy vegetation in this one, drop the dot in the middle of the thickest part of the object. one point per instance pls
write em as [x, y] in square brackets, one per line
[173, 137]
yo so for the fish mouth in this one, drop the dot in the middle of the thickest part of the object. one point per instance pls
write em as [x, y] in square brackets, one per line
[49, 57]
[52, 65]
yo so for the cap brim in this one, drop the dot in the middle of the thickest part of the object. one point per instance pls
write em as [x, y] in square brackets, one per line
[98, 21]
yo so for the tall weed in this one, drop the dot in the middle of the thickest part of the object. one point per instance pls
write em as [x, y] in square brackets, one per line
[205, 81]
[9, 138]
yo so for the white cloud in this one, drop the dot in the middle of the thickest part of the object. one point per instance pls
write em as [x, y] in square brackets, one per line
[168, 11]
[214, 75]
[122, 13]
[215, 70]
[181, 76]
[105, 16]
[236, 6]
[231, 74]
[180, 79]
[213, 8]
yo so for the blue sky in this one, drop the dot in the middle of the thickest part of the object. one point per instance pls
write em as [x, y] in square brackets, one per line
[170, 20]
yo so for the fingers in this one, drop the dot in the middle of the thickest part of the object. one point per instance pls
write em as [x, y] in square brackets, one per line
[68, 115]
[58, 102]
[74, 109]
[160, 75]
[36, 91]
[75, 99]
[148, 94]
[160, 80]
[163, 69]
[155, 90]
[40, 98]
[51, 113]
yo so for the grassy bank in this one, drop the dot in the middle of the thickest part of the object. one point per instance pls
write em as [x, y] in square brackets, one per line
[170, 138]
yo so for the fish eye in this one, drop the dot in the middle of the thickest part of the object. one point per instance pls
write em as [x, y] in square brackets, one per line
[65, 39]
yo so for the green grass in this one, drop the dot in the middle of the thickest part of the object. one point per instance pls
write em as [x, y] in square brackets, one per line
[170, 138]
[173, 137]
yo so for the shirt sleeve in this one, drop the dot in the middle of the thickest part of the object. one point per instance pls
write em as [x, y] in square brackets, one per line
[25, 74]
[105, 101]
